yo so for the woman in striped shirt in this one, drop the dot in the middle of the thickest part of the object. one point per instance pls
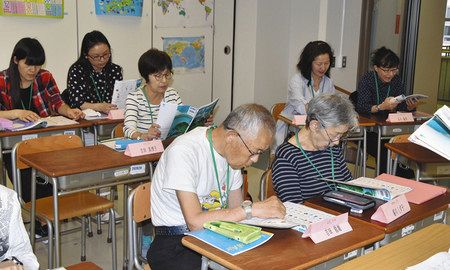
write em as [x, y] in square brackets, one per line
[314, 152]
[142, 105]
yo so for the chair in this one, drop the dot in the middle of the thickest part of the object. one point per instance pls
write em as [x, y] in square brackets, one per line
[138, 211]
[276, 110]
[84, 266]
[79, 204]
[117, 131]
[403, 138]
[266, 185]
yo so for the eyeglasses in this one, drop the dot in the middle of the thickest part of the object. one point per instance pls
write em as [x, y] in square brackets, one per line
[99, 58]
[159, 76]
[252, 154]
[337, 138]
[389, 70]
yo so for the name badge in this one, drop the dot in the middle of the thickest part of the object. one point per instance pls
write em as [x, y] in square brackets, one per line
[299, 120]
[328, 228]
[116, 114]
[392, 210]
[400, 117]
[144, 148]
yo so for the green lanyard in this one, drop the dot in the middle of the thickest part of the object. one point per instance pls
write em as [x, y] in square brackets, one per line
[227, 189]
[29, 102]
[96, 89]
[376, 87]
[311, 87]
[148, 101]
[309, 160]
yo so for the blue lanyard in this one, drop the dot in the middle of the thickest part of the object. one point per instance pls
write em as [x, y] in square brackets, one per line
[309, 160]
[376, 87]
[227, 188]
[311, 87]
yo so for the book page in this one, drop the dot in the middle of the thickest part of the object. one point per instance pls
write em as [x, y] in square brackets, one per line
[298, 217]
[121, 90]
[166, 115]
[58, 121]
[394, 189]
[202, 115]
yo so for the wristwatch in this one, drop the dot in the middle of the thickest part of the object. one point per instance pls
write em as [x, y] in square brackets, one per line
[247, 206]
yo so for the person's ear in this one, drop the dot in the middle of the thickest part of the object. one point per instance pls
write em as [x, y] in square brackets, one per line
[314, 125]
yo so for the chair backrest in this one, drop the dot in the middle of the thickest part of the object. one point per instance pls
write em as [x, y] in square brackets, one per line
[403, 138]
[354, 98]
[44, 144]
[117, 132]
[141, 203]
[266, 185]
[276, 109]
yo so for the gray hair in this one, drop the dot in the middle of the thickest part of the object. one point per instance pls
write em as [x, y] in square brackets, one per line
[250, 119]
[331, 110]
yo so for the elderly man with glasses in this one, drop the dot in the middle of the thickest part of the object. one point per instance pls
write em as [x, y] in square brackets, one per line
[314, 152]
[198, 179]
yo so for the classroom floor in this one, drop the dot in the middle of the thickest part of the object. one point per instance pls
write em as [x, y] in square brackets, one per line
[99, 251]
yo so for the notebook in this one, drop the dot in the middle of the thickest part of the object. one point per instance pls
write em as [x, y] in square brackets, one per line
[421, 192]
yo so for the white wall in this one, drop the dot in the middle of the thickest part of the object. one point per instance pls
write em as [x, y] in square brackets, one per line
[271, 34]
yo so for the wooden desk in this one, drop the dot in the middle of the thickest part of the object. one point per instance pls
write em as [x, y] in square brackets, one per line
[287, 250]
[74, 161]
[405, 252]
[9, 138]
[403, 128]
[418, 212]
[416, 153]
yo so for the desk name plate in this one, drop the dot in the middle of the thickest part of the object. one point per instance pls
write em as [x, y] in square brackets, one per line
[144, 148]
[392, 210]
[400, 117]
[328, 228]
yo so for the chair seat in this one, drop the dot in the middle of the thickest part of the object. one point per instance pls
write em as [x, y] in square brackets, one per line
[84, 266]
[72, 205]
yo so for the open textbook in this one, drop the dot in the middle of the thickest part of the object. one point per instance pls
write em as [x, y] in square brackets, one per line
[175, 120]
[51, 121]
[402, 98]
[371, 187]
[121, 90]
[435, 133]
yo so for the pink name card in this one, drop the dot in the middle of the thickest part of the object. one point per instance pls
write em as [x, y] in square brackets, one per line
[6, 123]
[116, 114]
[328, 228]
[400, 117]
[144, 148]
[299, 120]
[392, 210]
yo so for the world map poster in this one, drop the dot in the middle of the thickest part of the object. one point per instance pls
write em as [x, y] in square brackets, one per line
[187, 53]
[33, 8]
[183, 13]
[119, 7]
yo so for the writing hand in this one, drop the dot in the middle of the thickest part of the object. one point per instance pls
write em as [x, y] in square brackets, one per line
[105, 107]
[269, 208]
[75, 114]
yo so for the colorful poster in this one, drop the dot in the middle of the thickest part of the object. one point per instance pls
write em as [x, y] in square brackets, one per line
[187, 53]
[119, 7]
[33, 8]
[183, 13]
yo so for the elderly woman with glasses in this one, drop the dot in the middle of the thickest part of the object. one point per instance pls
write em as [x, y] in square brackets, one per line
[314, 152]
[378, 88]
[90, 80]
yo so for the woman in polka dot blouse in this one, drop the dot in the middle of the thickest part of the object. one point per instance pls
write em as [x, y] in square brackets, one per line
[90, 80]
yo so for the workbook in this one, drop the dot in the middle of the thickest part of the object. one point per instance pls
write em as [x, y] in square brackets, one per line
[298, 217]
[51, 121]
[175, 120]
[121, 90]
[371, 187]
[402, 98]
[228, 245]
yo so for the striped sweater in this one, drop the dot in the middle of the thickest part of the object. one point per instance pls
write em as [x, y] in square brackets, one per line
[295, 180]
[138, 116]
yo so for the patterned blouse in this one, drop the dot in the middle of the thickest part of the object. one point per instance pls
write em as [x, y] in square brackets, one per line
[86, 85]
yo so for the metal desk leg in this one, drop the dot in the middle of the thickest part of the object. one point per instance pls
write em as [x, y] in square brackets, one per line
[204, 263]
[418, 172]
[126, 260]
[56, 222]
[364, 157]
[377, 172]
[33, 208]
[389, 162]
